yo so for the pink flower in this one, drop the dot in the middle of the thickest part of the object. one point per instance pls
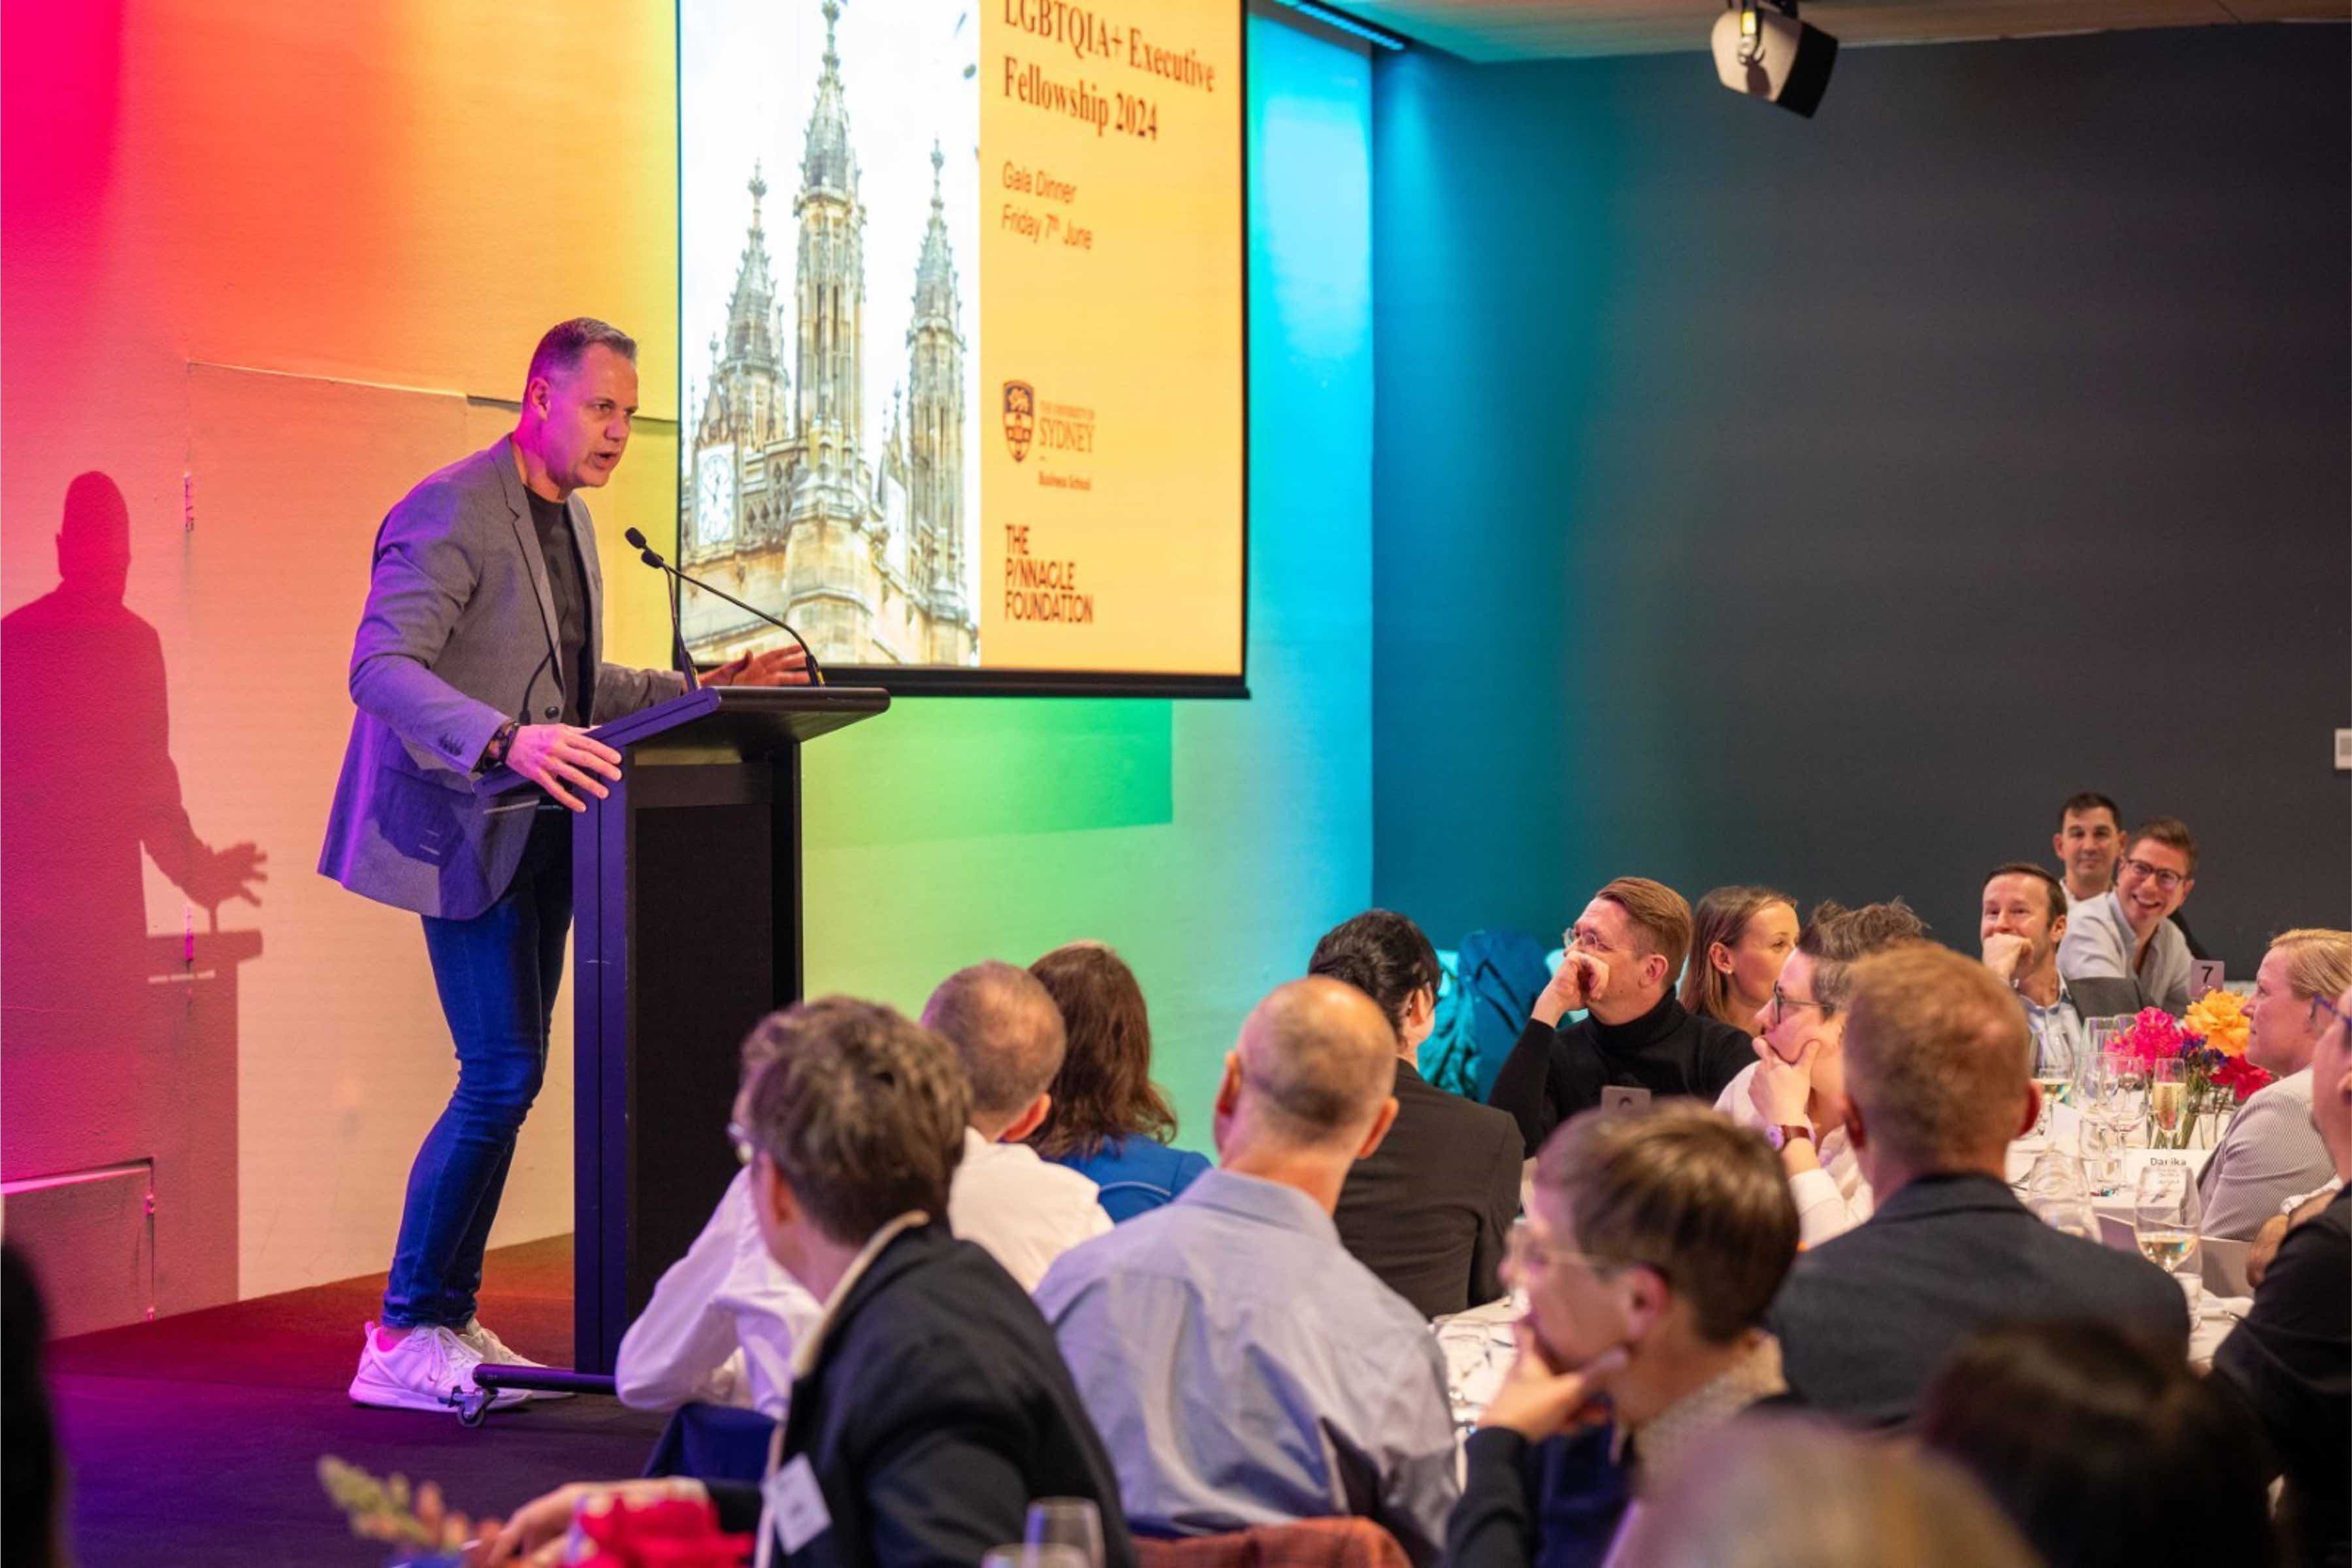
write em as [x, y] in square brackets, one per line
[2153, 1036]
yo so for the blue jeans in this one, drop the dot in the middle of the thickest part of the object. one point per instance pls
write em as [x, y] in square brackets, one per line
[497, 974]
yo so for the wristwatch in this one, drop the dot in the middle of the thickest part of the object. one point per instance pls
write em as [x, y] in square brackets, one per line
[494, 754]
[1791, 1130]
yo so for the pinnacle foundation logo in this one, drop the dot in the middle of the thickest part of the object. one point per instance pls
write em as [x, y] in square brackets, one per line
[1020, 416]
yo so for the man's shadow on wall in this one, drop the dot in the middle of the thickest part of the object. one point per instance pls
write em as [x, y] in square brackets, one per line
[116, 1046]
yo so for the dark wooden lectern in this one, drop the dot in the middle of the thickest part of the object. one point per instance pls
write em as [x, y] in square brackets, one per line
[685, 886]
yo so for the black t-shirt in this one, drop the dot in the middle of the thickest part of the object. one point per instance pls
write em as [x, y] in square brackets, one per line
[567, 584]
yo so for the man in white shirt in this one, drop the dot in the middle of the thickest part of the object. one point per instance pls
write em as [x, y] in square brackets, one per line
[1796, 1091]
[1027, 1211]
[724, 1321]
[2089, 841]
[2129, 934]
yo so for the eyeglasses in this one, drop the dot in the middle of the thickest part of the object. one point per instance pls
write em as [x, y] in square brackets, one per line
[1524, 1255]
[2322, 1004]
[1782, 1002]
[2165, 880]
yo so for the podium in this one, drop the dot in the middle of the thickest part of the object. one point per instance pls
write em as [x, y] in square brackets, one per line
[686, 888]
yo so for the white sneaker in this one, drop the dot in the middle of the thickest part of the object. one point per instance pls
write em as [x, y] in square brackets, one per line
[487, 1346]
[430, 1368]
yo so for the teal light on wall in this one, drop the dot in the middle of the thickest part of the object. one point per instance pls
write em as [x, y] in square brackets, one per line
[1210, 842]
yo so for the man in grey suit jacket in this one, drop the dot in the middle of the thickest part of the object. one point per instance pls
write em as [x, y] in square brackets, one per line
[480, 646]
[1938, 1085]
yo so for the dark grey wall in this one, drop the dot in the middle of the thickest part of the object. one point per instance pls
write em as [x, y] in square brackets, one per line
[1820, 503]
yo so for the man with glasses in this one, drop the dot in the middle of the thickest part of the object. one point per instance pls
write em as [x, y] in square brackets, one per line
[1653, 1246]
[2128, 934]
[1795, 1090]
[724, 1320]
[1621, 959]
[930, 1402]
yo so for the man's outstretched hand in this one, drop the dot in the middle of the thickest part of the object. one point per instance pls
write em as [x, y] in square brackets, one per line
[778, 667]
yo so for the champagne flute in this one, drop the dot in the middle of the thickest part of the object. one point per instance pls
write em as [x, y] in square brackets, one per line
[1072, 1521]
[2167, 1105]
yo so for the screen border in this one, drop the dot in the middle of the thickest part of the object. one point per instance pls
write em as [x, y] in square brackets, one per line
[957, 680]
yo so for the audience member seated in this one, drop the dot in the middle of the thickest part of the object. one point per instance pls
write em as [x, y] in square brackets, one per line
[2105, 1453]
[1938, 1085]
[2291, 1359]
[1777, 1491]
[1653, 1242]
[2273, 1150]
[2292, 1212]
[2020, 925]
[1242, 1368]
[1430, 1210]
[1108, 1121]
[930, 1402]
[723, 1320]
[1795, 1089]
[2127, 935]
[1008, 1033]
[1740, 937]
[2089, 841]
[1623, 955]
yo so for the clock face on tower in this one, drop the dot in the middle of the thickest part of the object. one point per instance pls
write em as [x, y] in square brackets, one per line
[714, 496]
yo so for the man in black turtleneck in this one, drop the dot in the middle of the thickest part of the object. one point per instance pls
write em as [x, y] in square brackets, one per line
[1623, 954]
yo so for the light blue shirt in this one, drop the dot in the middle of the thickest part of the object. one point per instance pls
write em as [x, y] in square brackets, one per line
[2058, 1038]
[1244, 1369]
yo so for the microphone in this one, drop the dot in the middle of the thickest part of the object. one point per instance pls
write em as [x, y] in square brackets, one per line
[652, 557]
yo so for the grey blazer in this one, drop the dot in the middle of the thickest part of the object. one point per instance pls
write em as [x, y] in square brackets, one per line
[459, 636]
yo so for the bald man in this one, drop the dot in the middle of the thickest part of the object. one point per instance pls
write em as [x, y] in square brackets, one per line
[1242, 1366]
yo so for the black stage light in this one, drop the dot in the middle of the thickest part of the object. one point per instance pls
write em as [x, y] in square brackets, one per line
[1764, 52]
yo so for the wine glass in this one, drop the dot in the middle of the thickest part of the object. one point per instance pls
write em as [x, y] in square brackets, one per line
[1021, 1554]
[1072, 1521]
[2165, 1217]
[2057, 1193]
[2096, 1140]
[2128, 1103]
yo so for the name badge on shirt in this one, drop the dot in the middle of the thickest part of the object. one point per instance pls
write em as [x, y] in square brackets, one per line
[795, 1505]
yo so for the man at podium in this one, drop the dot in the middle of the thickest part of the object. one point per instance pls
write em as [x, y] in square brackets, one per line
[480, 646]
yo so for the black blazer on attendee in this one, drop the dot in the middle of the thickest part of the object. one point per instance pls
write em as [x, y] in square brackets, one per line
[2291, 1360]
[1430, 1210]
[1553, 1073]
[1865, 1318]
[937, 1409]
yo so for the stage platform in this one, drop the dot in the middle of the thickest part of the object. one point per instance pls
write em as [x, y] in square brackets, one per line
[194, 1440]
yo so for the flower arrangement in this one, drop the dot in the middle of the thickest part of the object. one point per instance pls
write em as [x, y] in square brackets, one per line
[2219, 1017]
[2210, 1044]
[607, 1528]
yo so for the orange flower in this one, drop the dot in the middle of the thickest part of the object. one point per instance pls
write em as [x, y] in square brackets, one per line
[2221, 1017]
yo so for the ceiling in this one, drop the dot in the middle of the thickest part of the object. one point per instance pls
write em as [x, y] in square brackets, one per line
[1490, 30]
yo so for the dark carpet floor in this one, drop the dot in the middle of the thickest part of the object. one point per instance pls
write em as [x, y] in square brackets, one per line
[194, 1440]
